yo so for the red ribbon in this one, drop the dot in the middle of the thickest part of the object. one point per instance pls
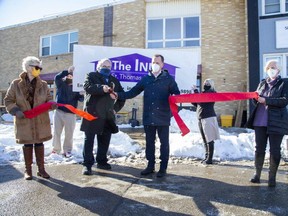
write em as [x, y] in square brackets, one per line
[46, 106]
[203, 98]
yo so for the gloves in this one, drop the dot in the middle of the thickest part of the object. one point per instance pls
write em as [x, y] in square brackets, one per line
[19, 114]
[54, 106]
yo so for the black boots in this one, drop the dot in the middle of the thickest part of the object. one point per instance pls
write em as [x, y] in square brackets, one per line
[28, 158]
[273, 167]
[274, 164]
[259, 161]
[206, 152]
[209, 148]
[39, 153]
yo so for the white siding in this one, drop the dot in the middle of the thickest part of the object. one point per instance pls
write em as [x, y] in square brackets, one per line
[172, 8]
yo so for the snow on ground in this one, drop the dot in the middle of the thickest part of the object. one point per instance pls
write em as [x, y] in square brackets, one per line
[230, 147]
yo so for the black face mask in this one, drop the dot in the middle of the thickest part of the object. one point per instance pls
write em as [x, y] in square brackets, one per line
[207, 87]
[68, 81]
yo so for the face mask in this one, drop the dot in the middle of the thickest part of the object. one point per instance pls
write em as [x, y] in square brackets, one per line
[272, 73]
[105, 71]
[35, 73]
[206, 87]
[68, 81]
[155, 68]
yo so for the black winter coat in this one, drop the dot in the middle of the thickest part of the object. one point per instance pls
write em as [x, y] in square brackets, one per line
[205, 110]
[156, 110]
[277, 107]
[100, 104]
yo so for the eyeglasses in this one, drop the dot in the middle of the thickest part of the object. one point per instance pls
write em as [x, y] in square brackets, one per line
[106, 66]
[36, 67]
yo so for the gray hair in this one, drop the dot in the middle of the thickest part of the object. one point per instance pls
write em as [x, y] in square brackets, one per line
[30, 60]
[272, 61]
[211, 82]
[100, 63]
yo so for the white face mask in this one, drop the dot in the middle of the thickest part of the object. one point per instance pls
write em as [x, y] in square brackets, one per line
[272, 73]
[155, 68]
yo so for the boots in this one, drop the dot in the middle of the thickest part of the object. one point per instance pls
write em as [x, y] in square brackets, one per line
[28, 157]
[259, 161]
[206, 152]
[210, 153]
[274, 163]
[39, 153]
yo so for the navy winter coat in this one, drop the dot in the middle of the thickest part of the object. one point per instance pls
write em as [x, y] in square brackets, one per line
[156, 109]
[277, 108]
[65, 93]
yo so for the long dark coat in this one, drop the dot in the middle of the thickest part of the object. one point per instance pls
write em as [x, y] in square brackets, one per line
[277, 107]
[100, 104]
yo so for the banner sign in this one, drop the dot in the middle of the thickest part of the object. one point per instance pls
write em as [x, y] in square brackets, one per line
[129, 65]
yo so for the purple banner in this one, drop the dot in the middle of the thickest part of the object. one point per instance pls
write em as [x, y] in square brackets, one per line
[131, 68]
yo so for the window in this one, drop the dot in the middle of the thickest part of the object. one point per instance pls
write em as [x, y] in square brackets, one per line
[282, 60]
[173, 32]
[58, 43]
[274, 6]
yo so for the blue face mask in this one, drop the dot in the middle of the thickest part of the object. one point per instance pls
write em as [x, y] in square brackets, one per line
[105, 71]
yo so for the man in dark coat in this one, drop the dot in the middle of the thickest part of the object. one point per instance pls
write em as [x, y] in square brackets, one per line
[158, 85]
[63, 117]
[97, 102]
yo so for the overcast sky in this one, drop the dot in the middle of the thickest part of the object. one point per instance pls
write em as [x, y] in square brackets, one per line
[20, 11]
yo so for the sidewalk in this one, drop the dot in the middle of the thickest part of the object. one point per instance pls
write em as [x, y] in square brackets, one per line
[188, 189]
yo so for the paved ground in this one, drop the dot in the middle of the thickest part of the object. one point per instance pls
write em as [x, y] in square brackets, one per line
[190, 188]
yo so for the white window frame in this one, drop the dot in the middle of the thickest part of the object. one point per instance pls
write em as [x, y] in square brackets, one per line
[57, 34]
[282, 8]
[182, 39]
[283, 62]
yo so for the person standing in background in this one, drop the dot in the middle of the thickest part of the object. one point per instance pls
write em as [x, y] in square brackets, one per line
[63, 117]
[269, 119]
[207, 123]
[25, 93]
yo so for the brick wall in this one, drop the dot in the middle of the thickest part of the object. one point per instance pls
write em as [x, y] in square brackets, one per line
[224, 47]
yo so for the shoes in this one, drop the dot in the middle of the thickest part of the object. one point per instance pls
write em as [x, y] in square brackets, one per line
[161, 173]
[104, 166]
[86, 171]
[147, 171]
[207, 161]
[255, 179]
[54, 152]
[67, 154]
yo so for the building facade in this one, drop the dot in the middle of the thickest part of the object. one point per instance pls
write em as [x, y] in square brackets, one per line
[216, 30]
[273, 37]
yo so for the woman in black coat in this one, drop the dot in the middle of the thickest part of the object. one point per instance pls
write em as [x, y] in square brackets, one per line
[207, 123]
[269, 120]
[98, 102]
